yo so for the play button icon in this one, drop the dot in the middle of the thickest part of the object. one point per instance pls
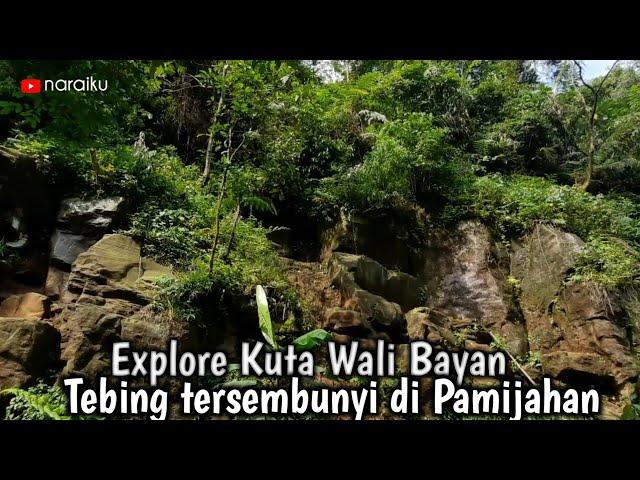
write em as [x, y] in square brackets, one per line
[30, 85]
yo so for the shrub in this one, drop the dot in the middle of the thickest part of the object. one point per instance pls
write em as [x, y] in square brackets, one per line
[514, 204]
[410, 161]
[609, 225]
[609, 262]
[252, 261]
[40, 402]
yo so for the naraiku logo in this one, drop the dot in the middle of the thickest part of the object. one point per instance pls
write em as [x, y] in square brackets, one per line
[88, 84]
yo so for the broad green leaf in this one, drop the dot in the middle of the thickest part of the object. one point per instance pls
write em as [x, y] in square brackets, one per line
[264, 318]
[233, 367]
[240, 383]
[312, 339]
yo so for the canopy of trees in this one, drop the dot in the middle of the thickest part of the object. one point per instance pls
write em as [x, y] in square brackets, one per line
[212, 152]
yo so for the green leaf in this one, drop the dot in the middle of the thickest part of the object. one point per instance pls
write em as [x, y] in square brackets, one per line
[233, 367]
[264, 317]
[6, 107]
[312, 339]
[629, 413]
[38, 402]
[240, 383]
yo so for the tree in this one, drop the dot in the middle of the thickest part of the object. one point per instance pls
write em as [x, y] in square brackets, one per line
[591, 110]
[212, 128]
[230, 153]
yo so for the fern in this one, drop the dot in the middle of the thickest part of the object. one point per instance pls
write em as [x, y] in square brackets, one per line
[37, 403]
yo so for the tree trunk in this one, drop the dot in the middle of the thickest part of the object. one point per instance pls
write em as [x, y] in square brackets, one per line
[589, 173]
[207, 159]
[95, 163]
[236, 218]
[214, 247]
[591, 154]
[230, 155]
[214, 121]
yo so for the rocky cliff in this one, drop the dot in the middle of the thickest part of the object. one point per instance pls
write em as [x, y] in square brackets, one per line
[71, 287]
[466, 290]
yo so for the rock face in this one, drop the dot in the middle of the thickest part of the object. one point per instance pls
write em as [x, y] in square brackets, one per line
[79, 224]
[350, 272]
[359, 280]
[541, 261]
[394, 239]
[465, 281]
[425, 324]
[149, 330]
[28, 204]
[572, 326]
[27, 348]
[108, 284]
[462, 280]
[27, 305]
[66, 246]
[471, 290]
[89, 216]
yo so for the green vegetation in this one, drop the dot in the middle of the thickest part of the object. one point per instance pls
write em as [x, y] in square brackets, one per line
[632, 409]
[40, 402]
[608, 262]
[210, 153]
[308, 341]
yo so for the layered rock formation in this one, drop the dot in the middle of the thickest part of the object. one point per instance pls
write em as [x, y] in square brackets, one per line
[473, 292]
[575, 327]
[107, 286]
[79, 224]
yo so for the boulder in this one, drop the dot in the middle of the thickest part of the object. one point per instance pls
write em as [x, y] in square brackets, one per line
[66, 246]
[28, 347]
[55, 282]
[577, 328]
[89, 216]
[27, 305]
[149, 330]
[391, 236]
[383, 315]
[88, 334]
[80, 223]
[113, 268]
[425, 324]
[404, 289]
[108, 284]
[349, 272]
[541, 261]
[347, 322]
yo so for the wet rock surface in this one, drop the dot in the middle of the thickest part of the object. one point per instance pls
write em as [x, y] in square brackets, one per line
[464, 281]
[575, 327]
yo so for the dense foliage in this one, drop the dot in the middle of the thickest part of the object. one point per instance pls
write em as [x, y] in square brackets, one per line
[210, 153]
